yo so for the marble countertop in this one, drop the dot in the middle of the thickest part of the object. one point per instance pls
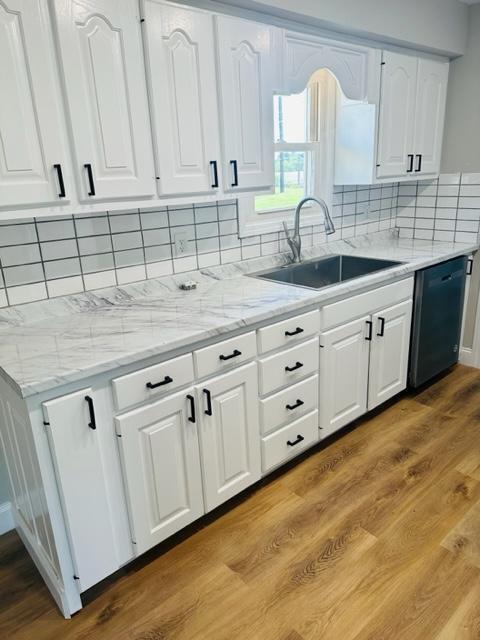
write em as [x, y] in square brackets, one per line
[46, 345]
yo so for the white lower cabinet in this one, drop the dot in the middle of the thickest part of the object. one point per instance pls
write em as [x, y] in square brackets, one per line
[389, 353]
[160, 455]
[229, 433]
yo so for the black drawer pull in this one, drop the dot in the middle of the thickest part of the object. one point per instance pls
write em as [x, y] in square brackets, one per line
[369, 334]
[235, 354]
[91, 181]
[294, 333]
[410, 162]
[469, 267]
[208, 410]
[192, 417]
[234, 166]
[91, 409]
[419, 163]
[297, 404]
[297, 365]
[297, 441]
[381, 333]
[154, 385]
[213, 164]
[61, 184]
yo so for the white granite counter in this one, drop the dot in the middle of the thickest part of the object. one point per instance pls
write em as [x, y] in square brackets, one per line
[52, 343]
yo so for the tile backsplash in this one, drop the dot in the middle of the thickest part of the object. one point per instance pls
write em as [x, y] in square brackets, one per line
[50, 257]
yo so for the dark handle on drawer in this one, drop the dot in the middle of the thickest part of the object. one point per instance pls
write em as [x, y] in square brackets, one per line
[410, 161]
[469, 267]
[192, 417]
[208, 410]
[61, 184]
[419, 163]
[213, 164]
[297, 404]
[381, 333]
[91, 409]
[154, 385]
[297, 441]
[294, 333]
[235, 354]
[369, 335]
[235, 173]
[91, 182]
[297, 365]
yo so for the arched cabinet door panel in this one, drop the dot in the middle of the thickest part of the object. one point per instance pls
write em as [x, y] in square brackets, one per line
[102, 61]
[33, 157]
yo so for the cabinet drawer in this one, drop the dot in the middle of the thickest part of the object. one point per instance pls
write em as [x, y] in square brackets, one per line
[151, 382]
[225, 354]
[289, 404]
[289, 441]
[289, 366]
[282, 334]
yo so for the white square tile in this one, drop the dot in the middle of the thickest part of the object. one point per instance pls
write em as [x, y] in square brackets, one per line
[159, 269]
[468, 214]
[444, 225]
[469, 203]
[64, 286]
[3, 298]
[463, 236]
[470, 178]
[253, 251]
[424, 223]
[405, 223]
[99, 280]
[447, 201]
[17, 234]
[189, 263]
[449, 178]
[405, 233]
[55, 230]
[470, 190]
[467, 225]
[235, 255]
[444, 236]
[208, 260]
[423, 234]
[447, 190]
[131, 274]
[426, 201]
[27, 293]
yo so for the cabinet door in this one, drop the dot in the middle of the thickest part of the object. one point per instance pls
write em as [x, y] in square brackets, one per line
[103, 69]
[31, 125]
[160, 457]
[389, 353]
[181, 64]
[78, 465]
[246, 102]
[343, 375]
[229, 434]
[397, 114]
[432, 81]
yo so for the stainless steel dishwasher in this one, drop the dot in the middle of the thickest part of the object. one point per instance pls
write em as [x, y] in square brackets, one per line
[437, 319]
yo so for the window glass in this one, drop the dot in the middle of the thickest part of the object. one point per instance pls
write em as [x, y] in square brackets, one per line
[291, 117]
[290, 171]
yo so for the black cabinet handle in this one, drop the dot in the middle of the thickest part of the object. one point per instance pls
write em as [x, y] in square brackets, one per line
[192, 417]
[294, 333]
[297, 365]
[235, 173]
[297, 404]
[61, 184]
[208, 410]
[297, 441]
[381, 333]
[419, 163]
[235, 354]
[91, 182]
[154, 385]
[213, 164]
[469, 267]
[369, 334]
[91, 409]
[410, 161]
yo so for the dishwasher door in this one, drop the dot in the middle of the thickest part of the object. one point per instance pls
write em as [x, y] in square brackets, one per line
[437, 319]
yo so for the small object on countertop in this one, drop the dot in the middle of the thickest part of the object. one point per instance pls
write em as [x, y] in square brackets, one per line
[188, 285]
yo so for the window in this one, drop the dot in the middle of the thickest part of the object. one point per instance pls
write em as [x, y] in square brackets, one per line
[304, 134]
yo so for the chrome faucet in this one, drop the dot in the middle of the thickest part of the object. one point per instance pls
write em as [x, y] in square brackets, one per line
[294, 240]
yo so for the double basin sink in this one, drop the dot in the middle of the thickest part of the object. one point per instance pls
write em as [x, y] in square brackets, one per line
[324, 272]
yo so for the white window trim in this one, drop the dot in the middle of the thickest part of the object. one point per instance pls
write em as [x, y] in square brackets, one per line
[252, 223]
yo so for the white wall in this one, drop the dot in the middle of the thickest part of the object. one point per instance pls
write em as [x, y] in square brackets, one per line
[461, 146]
[435, 25]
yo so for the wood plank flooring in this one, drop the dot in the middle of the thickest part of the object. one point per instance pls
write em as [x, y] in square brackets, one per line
[375, 535]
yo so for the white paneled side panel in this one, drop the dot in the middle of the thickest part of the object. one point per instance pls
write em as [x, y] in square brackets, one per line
[229, 434]
[101, 54]
[78, 464]
[389, 353]
[160, 455]
[343, 375]
[246, 102]
[32, 137]
[432, 82]
[181, 73]
[397, 115]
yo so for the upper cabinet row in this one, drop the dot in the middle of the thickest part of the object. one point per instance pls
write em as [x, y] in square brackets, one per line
[89, 116]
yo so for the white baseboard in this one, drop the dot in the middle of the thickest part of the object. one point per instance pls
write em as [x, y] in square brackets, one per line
[6, 518]
[466, 356]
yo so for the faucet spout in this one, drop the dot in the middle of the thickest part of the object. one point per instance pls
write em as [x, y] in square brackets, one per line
[294, 240]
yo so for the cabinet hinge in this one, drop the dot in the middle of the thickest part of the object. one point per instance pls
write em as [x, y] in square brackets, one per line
[382, 63]
[321, 346]
[119, 435]
[76, 577]
[46, 424]
[142, 20]
[378, 165]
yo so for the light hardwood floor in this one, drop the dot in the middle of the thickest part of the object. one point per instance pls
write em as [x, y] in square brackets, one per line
[375, 535]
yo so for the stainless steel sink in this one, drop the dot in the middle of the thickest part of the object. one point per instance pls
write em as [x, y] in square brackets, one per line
[325, 272]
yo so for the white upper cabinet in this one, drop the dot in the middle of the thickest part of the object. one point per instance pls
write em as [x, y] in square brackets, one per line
[246, 102]
[33, 156]
[432, 79]
[397, 115]
[179, 45]
[101, 55]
